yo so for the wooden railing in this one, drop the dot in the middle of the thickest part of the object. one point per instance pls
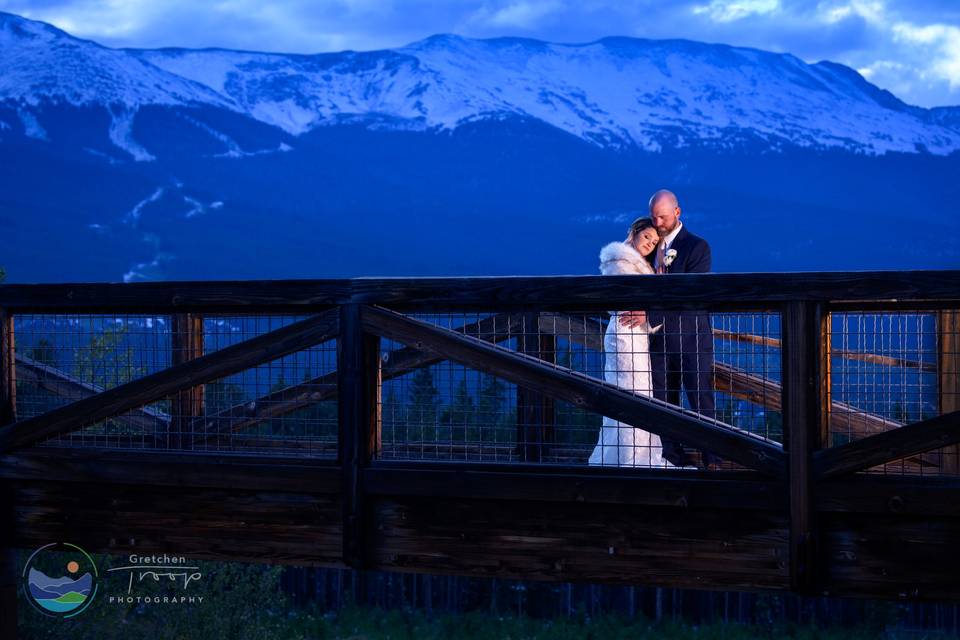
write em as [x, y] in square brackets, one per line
[805, 520]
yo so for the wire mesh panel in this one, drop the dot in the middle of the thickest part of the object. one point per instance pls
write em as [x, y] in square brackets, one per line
[64, 358]
[889, 369]
[437, 409]
[433, 409]
[747, 372]
[287, 406]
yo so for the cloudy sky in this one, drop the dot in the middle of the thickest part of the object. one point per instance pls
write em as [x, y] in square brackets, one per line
[911, 47]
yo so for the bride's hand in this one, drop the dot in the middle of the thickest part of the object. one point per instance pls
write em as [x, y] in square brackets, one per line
[633, 319]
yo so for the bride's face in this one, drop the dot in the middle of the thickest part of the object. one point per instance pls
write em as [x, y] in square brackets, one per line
[646, 241]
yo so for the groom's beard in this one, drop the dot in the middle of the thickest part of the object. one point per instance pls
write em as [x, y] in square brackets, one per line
[663, 233]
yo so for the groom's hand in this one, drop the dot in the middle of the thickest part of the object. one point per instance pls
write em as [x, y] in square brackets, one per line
[633, 319]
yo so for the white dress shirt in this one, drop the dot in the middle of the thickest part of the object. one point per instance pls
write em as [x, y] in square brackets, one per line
[665, 245]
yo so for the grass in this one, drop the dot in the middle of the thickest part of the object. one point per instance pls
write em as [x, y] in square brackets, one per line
[372, 624]
[376, 624]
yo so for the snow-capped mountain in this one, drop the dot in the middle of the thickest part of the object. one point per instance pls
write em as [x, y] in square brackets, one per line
[616, 92]
[452, 157]
[40, 62]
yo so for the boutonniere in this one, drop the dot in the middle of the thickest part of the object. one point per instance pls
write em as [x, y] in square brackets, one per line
[669, 257]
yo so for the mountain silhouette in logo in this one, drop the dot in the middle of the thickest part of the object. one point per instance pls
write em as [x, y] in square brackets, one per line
[59, 594]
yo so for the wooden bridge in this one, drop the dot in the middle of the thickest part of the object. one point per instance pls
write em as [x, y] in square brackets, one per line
[165, 418]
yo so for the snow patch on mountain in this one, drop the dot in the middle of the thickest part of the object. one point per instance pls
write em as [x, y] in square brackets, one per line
[121, 134]
[233, 149]
[283, 147]
[286, 114]
[618, 217]
[31, 127]
[103, 156]
[198, 208]
[133, 216]
[146, 271]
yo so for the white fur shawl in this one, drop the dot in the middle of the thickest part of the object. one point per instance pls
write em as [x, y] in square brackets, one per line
[619, 258]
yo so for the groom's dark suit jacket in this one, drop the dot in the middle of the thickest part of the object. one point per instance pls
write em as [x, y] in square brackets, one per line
[681, 352]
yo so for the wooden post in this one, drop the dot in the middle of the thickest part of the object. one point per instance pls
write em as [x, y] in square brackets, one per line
[548, 412]
[358, 389]
[948, 350]
[8, 414]
[8, 589]
[8, 370]
[826, 379]
[801, 353]
[186, 344]
[373, 382]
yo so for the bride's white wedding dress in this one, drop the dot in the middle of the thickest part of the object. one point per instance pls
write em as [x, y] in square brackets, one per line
[627, 365]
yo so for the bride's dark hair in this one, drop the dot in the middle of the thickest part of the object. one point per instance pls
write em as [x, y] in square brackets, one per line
[637, 226]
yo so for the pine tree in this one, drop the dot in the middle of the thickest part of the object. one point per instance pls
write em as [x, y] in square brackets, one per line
[574, 425]
[490, 408]
[220, 396]
[461, 414]
[422, 412]
[44, 353]
[108, 359]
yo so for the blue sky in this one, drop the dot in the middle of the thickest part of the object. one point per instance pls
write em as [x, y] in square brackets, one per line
[911, 47]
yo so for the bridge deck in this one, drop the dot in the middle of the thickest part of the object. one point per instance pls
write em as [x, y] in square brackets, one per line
[823, 490]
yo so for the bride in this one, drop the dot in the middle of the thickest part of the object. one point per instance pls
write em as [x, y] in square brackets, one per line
[627, 355]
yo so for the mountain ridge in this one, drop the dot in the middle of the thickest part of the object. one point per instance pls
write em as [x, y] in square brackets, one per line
[616, 92]
[452, 156]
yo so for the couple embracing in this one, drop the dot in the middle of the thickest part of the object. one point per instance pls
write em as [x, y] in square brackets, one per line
[656, 353]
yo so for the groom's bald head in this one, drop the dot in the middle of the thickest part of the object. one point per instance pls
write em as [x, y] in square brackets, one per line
[664, 195]
[664, 211]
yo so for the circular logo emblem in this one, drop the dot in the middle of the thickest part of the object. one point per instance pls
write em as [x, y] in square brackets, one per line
[60, 579]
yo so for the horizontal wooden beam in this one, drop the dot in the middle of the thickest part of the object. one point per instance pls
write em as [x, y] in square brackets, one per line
[885, 361]
[224, 523]
[874, 494]
[115, 401]
[733, 336]
[891, 495]
[909, 440]
[593, 542]
[584, 392]
[501, 293]
[886, 537]
[177, 469]
[873, 358]
[731, 490]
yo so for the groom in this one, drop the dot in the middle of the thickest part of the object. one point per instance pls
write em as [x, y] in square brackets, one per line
[682, 351]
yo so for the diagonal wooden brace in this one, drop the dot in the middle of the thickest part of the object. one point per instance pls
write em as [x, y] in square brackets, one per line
[919, 437]
[227, 361]
[584, 392]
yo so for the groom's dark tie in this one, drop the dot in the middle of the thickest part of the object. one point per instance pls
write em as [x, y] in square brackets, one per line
[661, 251]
